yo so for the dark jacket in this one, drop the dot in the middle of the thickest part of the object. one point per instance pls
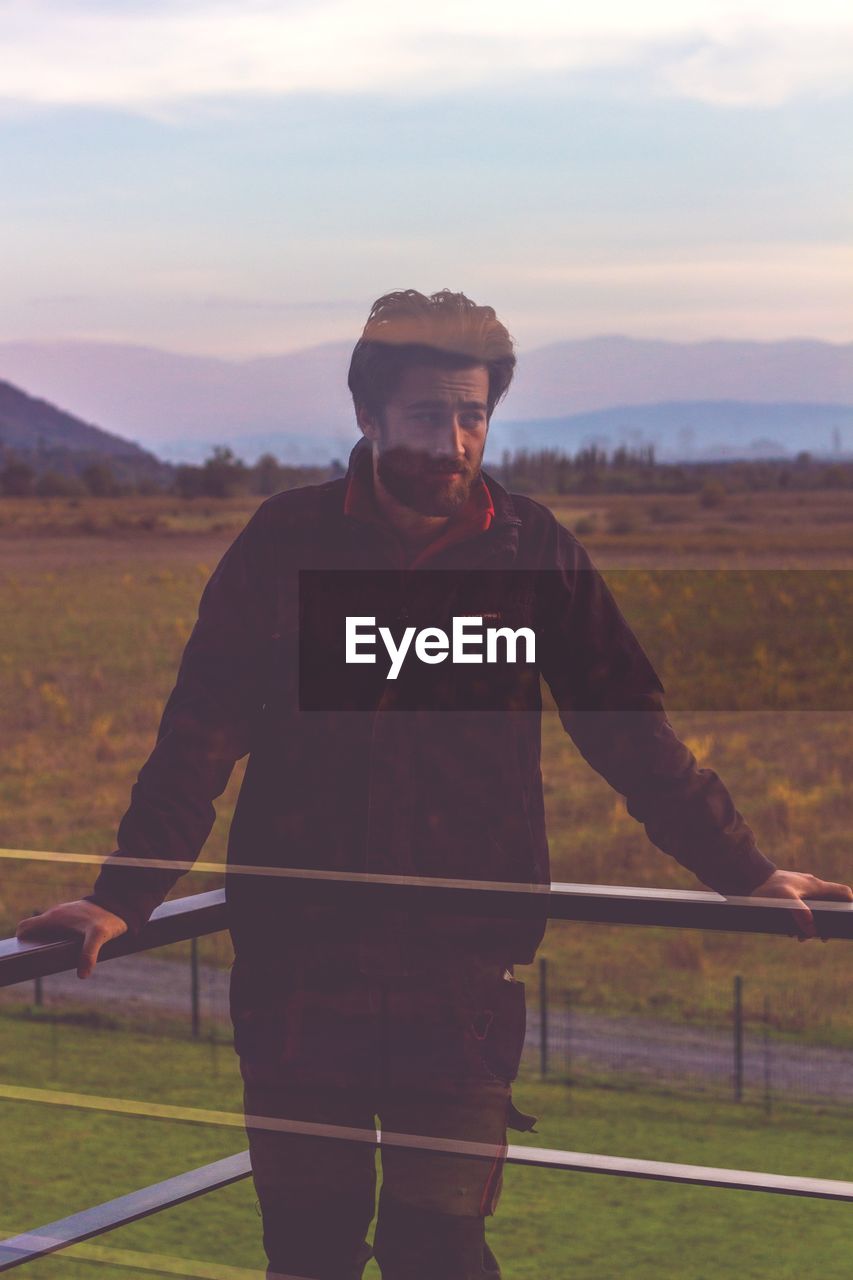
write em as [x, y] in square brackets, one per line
[435, 774]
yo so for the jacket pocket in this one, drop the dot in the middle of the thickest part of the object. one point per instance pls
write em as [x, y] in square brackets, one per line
[500, 1025]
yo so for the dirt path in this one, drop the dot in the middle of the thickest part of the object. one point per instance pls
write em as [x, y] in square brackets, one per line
[667, 1051]
[578, 1041]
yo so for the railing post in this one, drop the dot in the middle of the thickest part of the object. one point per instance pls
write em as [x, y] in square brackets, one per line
[768, 1091]
[568, 1058]
[738, 1037]
[194, 991]
[38, 989]
[543, 1016]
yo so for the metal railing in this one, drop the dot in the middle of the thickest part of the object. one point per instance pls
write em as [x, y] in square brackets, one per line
[206, 913]
[203, 913]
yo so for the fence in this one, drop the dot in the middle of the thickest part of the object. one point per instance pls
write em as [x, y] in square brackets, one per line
[727, 1055]
[201, 914]
[724, 1051]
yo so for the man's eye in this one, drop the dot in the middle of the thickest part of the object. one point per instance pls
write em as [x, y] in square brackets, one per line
[473, 419]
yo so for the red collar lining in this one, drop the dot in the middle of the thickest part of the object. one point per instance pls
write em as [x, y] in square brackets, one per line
[474, 518]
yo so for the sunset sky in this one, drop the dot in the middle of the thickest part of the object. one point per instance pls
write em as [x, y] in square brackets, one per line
[243, 178]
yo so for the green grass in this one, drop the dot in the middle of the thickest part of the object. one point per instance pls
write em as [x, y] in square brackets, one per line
[59, 1159]
[93, 632]
[90, 653]
[159, 515]
[93, 629]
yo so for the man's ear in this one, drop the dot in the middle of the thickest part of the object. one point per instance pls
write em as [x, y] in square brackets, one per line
[368, 422]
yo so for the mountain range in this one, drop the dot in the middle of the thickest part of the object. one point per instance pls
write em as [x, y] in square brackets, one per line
[49, 439]
[690, 430]
[693, 400]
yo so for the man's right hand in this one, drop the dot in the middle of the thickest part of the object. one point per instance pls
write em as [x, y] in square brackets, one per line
[96, 924]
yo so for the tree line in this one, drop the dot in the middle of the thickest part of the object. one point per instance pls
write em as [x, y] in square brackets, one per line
[547, 471]
[221, 475]
[626, 470]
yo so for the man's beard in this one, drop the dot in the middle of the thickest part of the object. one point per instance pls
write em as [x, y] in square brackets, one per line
[424, 483]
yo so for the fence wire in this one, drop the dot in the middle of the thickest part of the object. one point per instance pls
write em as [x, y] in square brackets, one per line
[182, 991]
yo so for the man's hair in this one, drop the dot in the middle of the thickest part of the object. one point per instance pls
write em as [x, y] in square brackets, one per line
[447, 329]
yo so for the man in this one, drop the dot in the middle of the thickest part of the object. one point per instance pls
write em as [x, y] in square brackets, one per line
[417, 762]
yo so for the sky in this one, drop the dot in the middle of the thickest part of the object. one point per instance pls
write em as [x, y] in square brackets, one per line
[244, 178]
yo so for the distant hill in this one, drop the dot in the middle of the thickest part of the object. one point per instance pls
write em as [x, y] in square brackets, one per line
[181, 405]
[690, 431]
[298, 405]
[601, 373]
[49, 439]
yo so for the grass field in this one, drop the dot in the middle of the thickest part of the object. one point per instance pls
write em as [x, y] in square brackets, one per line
[98, 598]
[95, 622]
[549, 1224]
[788, 528]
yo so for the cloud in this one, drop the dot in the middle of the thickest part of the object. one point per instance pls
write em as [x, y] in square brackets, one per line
[739, 290]
[151, 57]
[226, 302]
[751, 67]
[706, 267]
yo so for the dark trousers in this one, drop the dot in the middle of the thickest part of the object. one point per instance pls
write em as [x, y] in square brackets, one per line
[433, 1057]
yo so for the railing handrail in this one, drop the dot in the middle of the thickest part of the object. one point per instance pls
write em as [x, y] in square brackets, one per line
[203, 913]
[173, 921]
[100, 1218]
[28, 1246]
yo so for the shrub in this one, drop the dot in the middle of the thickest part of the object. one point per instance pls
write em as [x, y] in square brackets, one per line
[52, 484]
[99, 480]
[17, 478]
[664, 513]
[621, 523]
[712, 494]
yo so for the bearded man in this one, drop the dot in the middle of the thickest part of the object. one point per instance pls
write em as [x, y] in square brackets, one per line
[344, 1011]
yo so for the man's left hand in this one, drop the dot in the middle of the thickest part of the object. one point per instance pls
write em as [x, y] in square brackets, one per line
[800, 885]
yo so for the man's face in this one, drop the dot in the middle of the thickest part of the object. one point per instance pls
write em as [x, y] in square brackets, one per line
[428, 443]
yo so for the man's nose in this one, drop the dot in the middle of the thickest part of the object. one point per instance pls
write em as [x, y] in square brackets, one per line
[448, 441]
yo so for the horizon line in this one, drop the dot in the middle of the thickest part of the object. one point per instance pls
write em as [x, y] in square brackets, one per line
[182, 353]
